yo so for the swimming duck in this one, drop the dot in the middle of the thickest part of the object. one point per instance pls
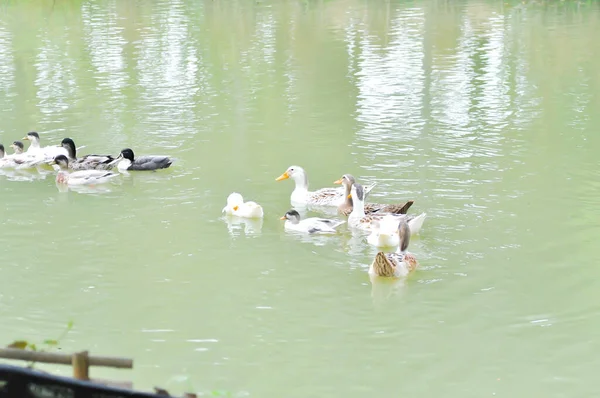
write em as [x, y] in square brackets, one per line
[302, 196]
[346, 208]
[237, 207]
[312, 225]
[358, 218]
[82, 177]
[126, 161]
[397, 264]
[48, 152]
[18, 159]
[88, 162]
[384, 231]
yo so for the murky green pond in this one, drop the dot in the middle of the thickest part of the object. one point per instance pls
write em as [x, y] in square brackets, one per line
[485, 113]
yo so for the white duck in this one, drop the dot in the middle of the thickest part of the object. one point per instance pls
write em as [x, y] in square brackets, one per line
[237, 207]
[82, 177]
[312, 225]
[397, 264]
[358, 218]
[18, 159]
[48, 153]
[323, 197]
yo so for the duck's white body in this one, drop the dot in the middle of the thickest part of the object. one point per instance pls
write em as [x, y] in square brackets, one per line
[21, 160]
[48, 152]
[384, 231]
[85, 177]
[312, 225]
[237, 207]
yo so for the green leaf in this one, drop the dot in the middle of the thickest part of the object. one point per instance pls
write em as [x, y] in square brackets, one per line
[220, 393]
[51, 342]
[18, 344]
[32, 347]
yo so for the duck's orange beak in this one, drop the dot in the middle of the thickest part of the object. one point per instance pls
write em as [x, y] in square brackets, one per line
[282, 218]
[338, 181]
[350, 196]
[284, 176]
[235, 208]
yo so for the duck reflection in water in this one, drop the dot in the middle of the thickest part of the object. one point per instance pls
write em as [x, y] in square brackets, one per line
[250, 226]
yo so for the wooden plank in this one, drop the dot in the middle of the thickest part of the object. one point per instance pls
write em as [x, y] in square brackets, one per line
[113, 383]
[81, 365]
[64, 359]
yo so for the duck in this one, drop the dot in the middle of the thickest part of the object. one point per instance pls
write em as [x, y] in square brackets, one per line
[47, 153]
[346, 208]
[88, 162]
[312, 225]
[237, 207]
[81, 177]
[323, 197]
[358, 218]
[384, 231]
[397, 264]
[18, 159]
[126, 161]
[2, 154]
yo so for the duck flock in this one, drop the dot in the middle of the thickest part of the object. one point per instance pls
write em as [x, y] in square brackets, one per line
[73, 171]
[388, 224]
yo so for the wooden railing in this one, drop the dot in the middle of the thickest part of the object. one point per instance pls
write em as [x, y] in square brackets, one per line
[81, 362]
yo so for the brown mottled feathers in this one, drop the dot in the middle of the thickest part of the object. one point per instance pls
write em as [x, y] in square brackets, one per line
[386, 264]
[371, 208]
[382, 266]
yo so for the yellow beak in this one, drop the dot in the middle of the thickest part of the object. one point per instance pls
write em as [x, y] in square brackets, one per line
[284, 176]
[25, 138]
[350, 196]
[282, 218]
[235, 208]
[338, 181]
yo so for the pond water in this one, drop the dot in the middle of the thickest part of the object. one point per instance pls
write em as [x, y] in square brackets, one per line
[481, 112]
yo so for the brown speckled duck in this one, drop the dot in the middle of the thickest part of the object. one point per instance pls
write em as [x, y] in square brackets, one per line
[346, 208]
[397, 264]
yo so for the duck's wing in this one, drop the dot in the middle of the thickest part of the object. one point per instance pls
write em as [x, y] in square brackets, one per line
[151, 163]
[400, 208]
[330, 222]
[321, 230]
[325, 196]
[91, 162]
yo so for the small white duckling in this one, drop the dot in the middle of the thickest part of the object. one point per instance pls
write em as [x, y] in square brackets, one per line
[312, 225]
[237, 207]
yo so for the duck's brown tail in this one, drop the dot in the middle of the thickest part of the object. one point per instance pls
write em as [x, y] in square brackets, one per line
[382, 266]
[404, 209]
